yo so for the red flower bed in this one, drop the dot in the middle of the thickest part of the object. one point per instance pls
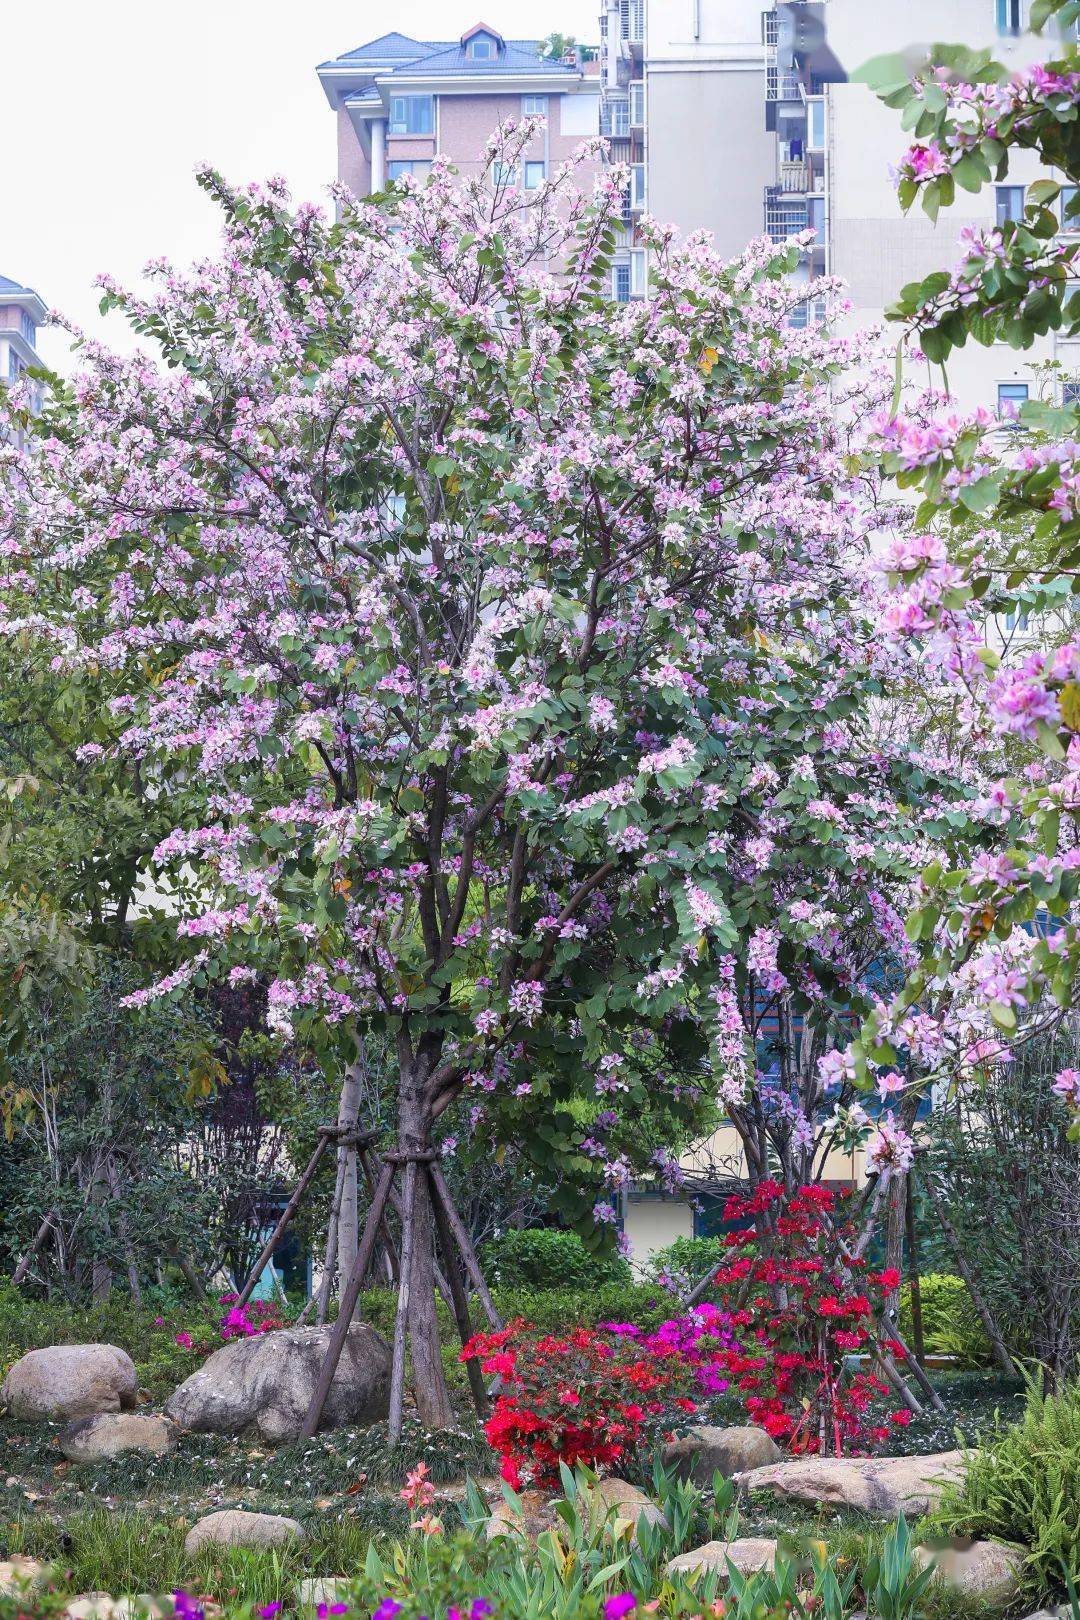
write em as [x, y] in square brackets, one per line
[583, 1397]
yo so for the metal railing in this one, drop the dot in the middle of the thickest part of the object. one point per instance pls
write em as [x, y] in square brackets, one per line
[784, 216]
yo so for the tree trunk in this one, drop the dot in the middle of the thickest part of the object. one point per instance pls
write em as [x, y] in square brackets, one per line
[348, 1224]
[414, 1137]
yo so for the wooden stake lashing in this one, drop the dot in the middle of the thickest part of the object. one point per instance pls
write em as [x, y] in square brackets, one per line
[460, 1302]
[347, 1304]
[326, 1134]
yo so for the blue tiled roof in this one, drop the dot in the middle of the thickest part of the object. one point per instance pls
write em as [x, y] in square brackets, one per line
[517, 57]
[446, 57]
[7, 285]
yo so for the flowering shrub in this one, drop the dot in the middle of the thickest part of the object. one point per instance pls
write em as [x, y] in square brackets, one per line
[238, 1322]
[582, 1397]
[799, 1310]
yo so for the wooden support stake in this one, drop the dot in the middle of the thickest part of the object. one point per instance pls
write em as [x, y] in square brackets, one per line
[39, 1238]
[917, 1338]
[464, 1243]
[1001, 1354]
[347, 1304]
[401, 1320]
[286, 1216]
[460, 1302]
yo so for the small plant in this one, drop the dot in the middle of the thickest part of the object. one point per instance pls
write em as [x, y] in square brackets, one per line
[893, 1590]
[547, 1258]
[1023, 1484]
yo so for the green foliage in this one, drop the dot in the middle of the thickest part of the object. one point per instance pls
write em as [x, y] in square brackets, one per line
[951, 1325]
[542, 1257]
[1022, 1484]
[682, 1264]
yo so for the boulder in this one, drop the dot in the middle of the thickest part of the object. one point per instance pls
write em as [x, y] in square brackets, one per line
[263, 1385]
[317, 1589]
[628, 1503]
[70, 1381]
[110, 1434]
[708, 1450]
[881, 1486]
[749, 1554]
[536, 1514]
[989, 1571]
[235, 1527]
[19, 1575]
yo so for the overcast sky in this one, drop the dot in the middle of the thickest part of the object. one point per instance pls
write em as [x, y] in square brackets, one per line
[107, 106]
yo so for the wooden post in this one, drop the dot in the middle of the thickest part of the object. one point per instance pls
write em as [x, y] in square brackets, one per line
[401, 1320]
[325, 1134]
[1001, 1354]
[39, 1238]
[347, 1304]
[464, 1243]
[918, 1340]
[460, 1302]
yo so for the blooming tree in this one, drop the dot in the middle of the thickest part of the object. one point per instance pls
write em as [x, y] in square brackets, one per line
[1006, 947]
[520, 650]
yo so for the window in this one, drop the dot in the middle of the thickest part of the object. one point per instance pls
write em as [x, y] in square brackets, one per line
[1010, 203]
[638, 276]
[620, 283]
[637, 185]
[815, 124]
[1010, 16]
[504, 175]
[480, 49]
[637, 103]
[1070, 208]
[412, 115]
[618, 119]
[1070, 393]
[14, 366]
[815, 217]
[29, 330]
[535, 174]
[1010, 397]
[534, 106]
[419, 168]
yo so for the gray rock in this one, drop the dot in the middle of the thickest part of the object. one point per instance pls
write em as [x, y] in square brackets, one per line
[622, 1506]
[537, 1514]
[708, 1450]
[234, 1527]
[70, 1381]
[316, 1589]
[19, 1575]
[263, 1385]
[749, 1554]
[110, 1434]
[991, 1571]
[881, 1486]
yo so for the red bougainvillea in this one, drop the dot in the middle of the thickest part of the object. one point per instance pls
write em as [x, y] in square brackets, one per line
[800, 1307]
[582, 1397]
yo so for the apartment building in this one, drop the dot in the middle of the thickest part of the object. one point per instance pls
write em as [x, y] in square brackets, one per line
[741, 119]
[398, 101]
[21, 313]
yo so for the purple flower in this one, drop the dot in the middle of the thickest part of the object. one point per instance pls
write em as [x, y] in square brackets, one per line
[268, 1611]
[386, 1610]
[615, 1607]
[187, 1608]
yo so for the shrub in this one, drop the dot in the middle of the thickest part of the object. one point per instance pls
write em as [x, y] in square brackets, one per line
[791, 1363]
[951, 1325]
[545, 1258]
[682, 1264]
[1023, 1484]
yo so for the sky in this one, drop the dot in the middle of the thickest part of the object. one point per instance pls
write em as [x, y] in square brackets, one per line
[107, 106]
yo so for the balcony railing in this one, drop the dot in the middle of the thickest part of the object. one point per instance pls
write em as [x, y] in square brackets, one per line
[795, 175]
[782, 86]
[784, 216]
[770, 28]
[632, 20]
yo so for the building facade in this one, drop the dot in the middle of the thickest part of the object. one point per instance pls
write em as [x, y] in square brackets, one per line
[740, 118]
[22, 312]
[398, 101]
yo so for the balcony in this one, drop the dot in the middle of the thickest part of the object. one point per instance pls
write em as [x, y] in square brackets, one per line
[615, 118]
[784, 216]
[795, 175]
[770, 28]
[783, 86]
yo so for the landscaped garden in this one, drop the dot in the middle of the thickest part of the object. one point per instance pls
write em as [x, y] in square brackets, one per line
[464, 745]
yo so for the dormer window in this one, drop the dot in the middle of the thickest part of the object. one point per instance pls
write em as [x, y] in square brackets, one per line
[481, 44]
